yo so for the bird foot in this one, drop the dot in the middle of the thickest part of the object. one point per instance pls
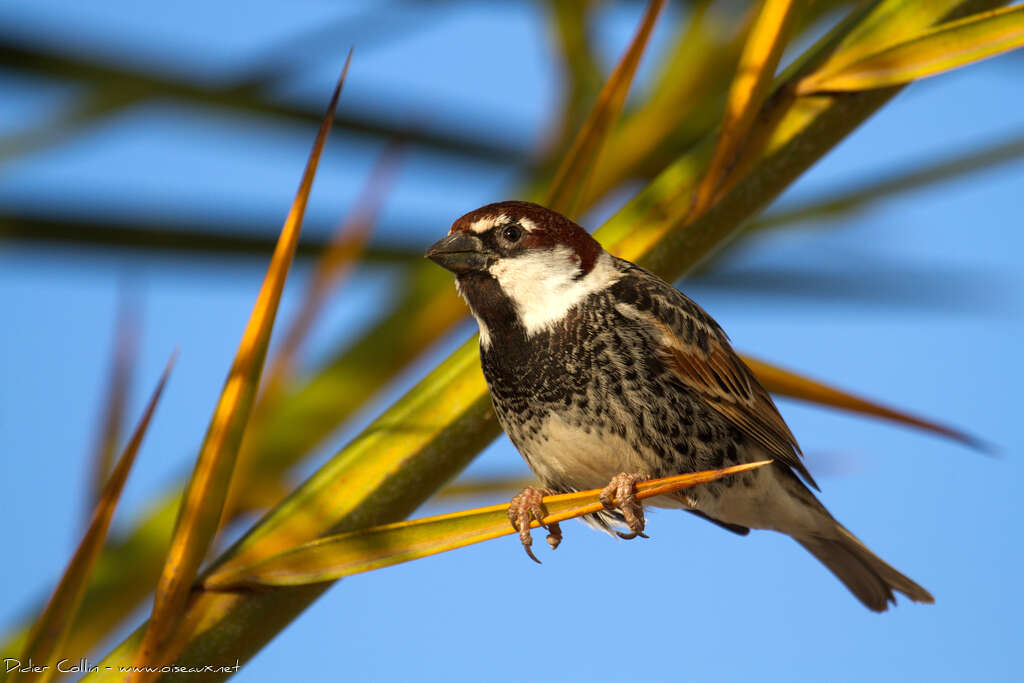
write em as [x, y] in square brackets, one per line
[526, 508]
[621, 493]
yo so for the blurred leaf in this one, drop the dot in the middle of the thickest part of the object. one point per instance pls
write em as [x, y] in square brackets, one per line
[864, 281]
[113, 87]
[882, 186]
[202, 505]
[239, 240]
[564, 192]
[947, 46]
[580, 66]
[483, 487]
[685, 102]
[122, 366]
[60, 127]
[334, 557]
[787, 383]
[50, 633]
[81, 232]
[758, 62]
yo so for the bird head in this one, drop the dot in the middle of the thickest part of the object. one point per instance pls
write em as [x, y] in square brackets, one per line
[521, 266]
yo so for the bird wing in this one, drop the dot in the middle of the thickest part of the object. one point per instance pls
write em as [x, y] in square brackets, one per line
[696, 350]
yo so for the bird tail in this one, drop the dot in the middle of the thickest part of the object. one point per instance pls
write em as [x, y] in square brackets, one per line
[866, 575]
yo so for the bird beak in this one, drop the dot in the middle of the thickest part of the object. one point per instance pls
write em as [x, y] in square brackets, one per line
[459, 252]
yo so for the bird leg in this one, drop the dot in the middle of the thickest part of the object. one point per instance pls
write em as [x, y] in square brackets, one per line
[526, 507]
[621, 493]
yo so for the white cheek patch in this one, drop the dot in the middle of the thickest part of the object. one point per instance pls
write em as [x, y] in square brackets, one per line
[482, 225]
[543, 285]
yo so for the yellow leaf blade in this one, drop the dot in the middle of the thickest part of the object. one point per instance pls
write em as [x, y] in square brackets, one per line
[342, 252]
[572, 175]
[250, 487]
[754, 73]
[51, 630]
[943, 48]
[334, 557]
[205, 495]
[884, 24]
[786, 383]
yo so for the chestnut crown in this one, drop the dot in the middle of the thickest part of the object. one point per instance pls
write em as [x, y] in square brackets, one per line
[510, 229]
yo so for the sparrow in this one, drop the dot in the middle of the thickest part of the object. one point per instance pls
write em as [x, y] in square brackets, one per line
[602, 375]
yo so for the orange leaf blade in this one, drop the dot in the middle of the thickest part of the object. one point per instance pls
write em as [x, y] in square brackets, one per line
[205, 495]
[786, 383]
[343, 250]
[571, 177]
[334, 557]
[51, 630]
[754, 74]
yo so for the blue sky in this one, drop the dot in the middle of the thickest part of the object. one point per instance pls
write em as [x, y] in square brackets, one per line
[917, 300]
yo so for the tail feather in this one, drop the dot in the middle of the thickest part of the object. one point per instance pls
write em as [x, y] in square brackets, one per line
[866, 575]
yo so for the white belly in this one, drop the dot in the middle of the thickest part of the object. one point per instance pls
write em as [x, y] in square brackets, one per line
[569, 457]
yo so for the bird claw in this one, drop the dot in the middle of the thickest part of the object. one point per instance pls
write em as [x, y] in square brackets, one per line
[527, 507]
[621, 493]
[631, 535]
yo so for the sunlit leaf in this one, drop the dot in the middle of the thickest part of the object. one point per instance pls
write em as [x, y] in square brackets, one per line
[786, 383]
[50, 633]
[202, 505]
[332, 558]
[685, 102]
[343, 251]
[253, 487]
[754, 74]
[884, 23]
[571, 177]
[943, 48]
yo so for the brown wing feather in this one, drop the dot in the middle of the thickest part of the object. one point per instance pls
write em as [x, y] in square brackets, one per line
[697, 351]
[729, 388]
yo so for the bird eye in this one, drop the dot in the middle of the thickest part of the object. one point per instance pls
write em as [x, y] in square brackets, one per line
[512, 233]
